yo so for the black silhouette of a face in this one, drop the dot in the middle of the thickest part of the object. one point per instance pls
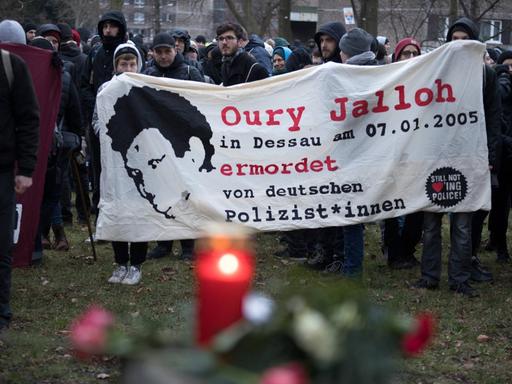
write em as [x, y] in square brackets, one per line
[150, 129]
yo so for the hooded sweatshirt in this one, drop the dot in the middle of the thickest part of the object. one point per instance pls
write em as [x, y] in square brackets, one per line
[469, 26]
[335, 30]
[256, 47]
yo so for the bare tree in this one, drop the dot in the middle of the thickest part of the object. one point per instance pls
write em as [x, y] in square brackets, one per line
[254, 16]
[366, 14]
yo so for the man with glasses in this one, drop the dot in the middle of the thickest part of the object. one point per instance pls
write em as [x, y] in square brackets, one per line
[237, 65]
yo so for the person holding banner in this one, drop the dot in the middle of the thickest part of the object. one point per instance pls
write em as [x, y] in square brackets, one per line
[460, 258]
[327, 39]
[19, 137]
[401, 242]
[126, 59]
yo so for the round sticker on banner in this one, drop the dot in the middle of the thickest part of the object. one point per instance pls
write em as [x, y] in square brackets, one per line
[446, 187]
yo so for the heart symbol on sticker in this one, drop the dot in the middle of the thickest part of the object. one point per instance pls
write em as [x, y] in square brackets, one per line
[438, 187]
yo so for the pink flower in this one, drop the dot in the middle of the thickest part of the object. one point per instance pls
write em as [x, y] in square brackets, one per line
[292, 373]
[89, 331]
[414, 342]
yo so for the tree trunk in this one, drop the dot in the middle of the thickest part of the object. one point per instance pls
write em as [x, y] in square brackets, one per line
[454, 11]
[285, 25]
[116, 5]
[156, 23]
[368, 15]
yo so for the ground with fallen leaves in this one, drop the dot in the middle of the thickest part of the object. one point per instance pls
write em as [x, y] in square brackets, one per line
[473, 343]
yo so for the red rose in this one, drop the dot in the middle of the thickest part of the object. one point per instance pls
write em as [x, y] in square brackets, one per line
[414, 342]
[292, 373]
[89, 331]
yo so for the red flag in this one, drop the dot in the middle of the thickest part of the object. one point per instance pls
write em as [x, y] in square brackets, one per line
[47, 85]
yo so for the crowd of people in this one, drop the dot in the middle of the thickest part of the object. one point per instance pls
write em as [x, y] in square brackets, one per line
[89, 62]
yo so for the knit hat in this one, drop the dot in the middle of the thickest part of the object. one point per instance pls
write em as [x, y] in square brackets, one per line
[65, 31]
[404, 43]
[355, 42]
[504, 56]
[163, 39]
[29, 26]
[382, 40]
[281, 42]
[11, 31]
[41, 42]
[76, 36]
[128, 47]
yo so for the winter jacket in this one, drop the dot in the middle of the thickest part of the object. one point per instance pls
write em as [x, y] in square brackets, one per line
[70, 114]
[241, 68]
[99, 67]
[335, 30]
[177, 70]
[19, 120]
[505, 89]
[256, 48]
[71, 53]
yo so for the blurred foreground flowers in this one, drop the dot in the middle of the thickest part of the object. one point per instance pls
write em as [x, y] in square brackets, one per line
[325, 334]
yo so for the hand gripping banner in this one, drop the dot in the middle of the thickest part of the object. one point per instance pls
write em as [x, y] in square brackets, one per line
[330, 145]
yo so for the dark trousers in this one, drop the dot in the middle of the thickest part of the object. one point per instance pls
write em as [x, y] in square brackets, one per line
[124, 252]
[187, 246]
[500, 196]
[459, 262]
[401, 243]
[71, 181]
[7, 214]
[94, 145]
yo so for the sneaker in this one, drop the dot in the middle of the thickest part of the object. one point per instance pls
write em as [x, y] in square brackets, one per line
[45, 243]
[334, 267]
[119, 274]
[158, 252]
[425, 284]
[133, 276]
[464, 289]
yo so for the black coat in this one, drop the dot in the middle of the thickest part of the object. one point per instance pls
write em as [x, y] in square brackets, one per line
[492, 109]
[19, 120]
[73, 54]
[242, 69]
[70, 112]
[177, 70]
[505, 88]
[99, 66]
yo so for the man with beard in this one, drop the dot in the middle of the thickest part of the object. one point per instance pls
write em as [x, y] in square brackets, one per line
[238, 66]
[327, 39]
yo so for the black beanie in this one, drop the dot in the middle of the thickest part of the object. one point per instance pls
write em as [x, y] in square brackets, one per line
[504, 56]
[65, 31]
[41, 42]
[29, 27]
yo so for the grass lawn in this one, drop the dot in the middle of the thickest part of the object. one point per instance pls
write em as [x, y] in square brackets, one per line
[46, 298]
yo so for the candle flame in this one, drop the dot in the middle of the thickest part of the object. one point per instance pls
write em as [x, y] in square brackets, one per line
[228, 264]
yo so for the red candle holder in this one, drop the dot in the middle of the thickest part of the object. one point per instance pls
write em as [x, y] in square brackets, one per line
[225, 267]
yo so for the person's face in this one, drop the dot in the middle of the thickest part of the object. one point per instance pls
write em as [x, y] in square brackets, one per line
[30, 34]
[327, 46]
[488, 60]
[228, 43]
[460, 35]
[164, 56]
[180, 45]
[126, 65]
[150, 163]
[54, 41]
[110, 29]
[278, 62]
[192, 55]
[509, 63]
[408, 52]
[388, 47]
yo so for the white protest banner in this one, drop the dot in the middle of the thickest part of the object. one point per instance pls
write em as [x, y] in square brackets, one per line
[326, 146]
